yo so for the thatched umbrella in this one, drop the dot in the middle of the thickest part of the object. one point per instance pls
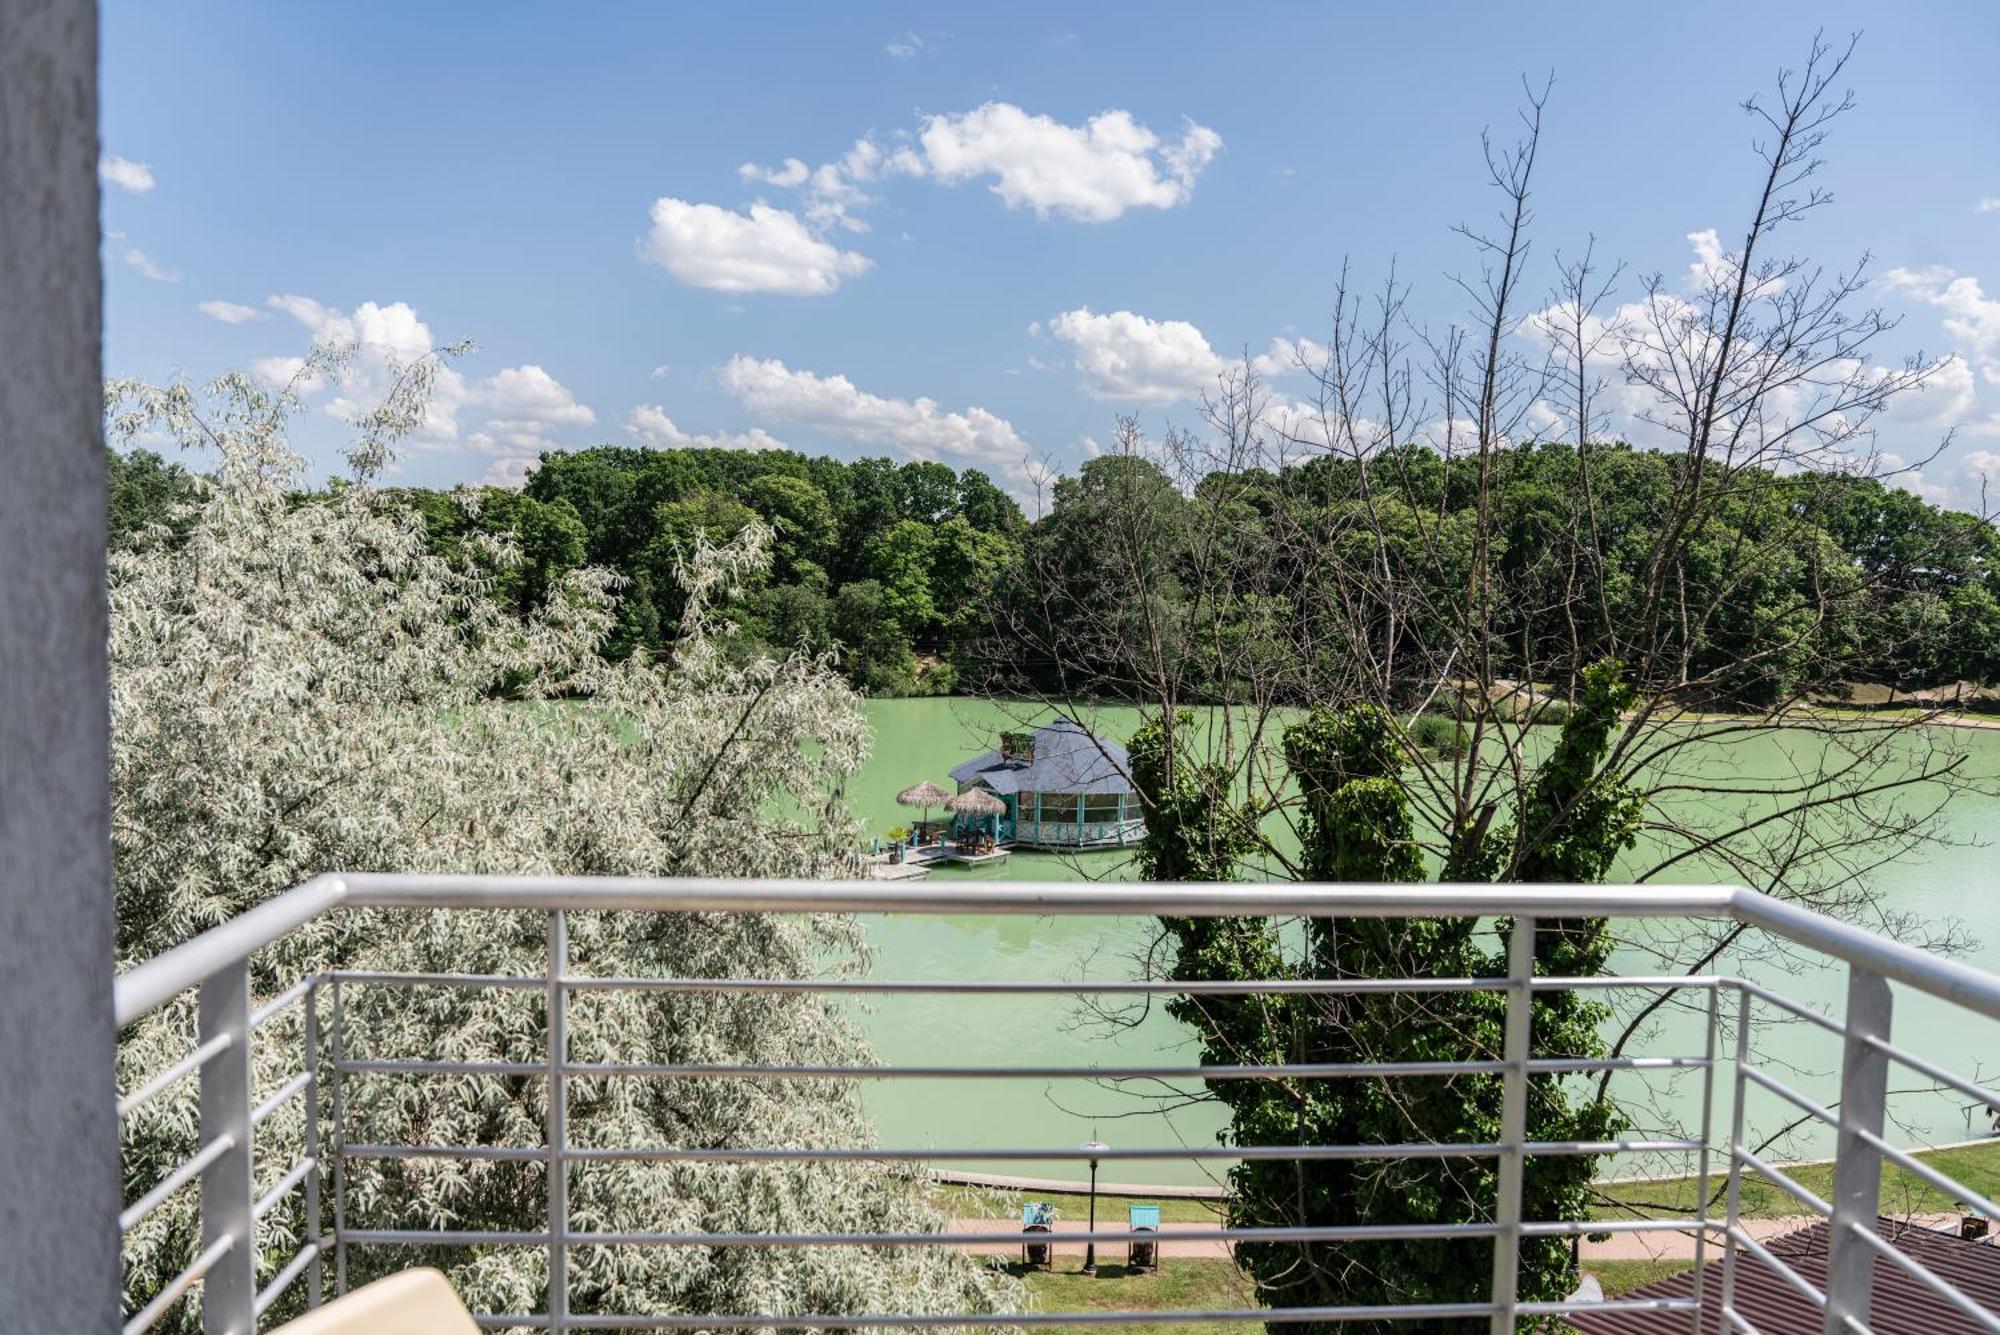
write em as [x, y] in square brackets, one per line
[925, 795]
[976, 802]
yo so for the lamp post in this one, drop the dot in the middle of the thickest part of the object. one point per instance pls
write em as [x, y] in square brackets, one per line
[1093, 1147]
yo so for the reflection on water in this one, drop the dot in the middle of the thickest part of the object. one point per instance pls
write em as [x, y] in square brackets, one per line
[918, 739]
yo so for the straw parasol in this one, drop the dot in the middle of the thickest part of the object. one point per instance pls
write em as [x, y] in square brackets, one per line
[925, 795]
[976, 802]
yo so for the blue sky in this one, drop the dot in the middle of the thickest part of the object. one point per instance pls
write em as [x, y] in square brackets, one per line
[1067, 212]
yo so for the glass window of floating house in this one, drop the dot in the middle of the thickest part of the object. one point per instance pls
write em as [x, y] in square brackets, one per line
[1100, 807]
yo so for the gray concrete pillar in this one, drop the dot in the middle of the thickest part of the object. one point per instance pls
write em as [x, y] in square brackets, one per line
[59, 1181]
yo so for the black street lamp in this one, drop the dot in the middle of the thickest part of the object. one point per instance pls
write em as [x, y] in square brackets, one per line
[1093, 1147]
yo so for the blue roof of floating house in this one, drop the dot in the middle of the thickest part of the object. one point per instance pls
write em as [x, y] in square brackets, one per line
[1068, 759]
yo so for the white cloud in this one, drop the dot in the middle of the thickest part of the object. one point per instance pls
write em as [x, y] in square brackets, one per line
[650, 425]
[1090, 173]
[145, 264]
[520, 408]
[1093, 172]
[764, 250]
[834, 404]
[1128, 358]
[229, 312]
[1990, 204]
[905, 47]
[1970, 316]
[836, 191]
[1715, 267]
[124, 173]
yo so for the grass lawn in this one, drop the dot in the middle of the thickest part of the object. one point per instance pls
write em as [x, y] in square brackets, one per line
[1621, 1277]
[1179, 1284]
[1977, 1166]
[1005, 1203]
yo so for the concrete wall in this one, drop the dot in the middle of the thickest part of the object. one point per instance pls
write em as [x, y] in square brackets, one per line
[59, 1185]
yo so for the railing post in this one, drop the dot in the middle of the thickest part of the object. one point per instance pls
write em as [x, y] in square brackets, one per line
[316, 1269]
[229, 1293]
[1735, 1204]
[558, 1126]
[339, 1144]
[1702, 1160]
[1857, 1173]
[1513, 1124]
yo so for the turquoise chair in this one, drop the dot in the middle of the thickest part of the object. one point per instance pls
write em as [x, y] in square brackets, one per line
[1143, 1251]
[1037, 1217]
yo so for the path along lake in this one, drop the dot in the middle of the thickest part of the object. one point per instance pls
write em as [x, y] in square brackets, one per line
[923, 739]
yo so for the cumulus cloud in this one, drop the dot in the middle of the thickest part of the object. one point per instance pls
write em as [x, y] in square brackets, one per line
[124, 173]
[519, 410]
[649, 425]
[918, 428]
[146, 265]
[1092, 172]
[1970, 316]
[1990, 204]
[836, 192]
[905, 47]
[762, 250]
[1129, 358]
[1089, 173]
[229, 312]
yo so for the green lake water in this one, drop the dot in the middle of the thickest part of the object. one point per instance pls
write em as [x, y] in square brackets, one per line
[919, 739]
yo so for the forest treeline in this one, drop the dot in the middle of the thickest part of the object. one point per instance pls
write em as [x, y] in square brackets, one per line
[919, 579]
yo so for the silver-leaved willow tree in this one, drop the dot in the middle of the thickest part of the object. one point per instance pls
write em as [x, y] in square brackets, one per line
[300, 686]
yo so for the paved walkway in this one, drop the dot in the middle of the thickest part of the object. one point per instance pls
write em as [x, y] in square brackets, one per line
[1657, 1245]
[1213, 1248]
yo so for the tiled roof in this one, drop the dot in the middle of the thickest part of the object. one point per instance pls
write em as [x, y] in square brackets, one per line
[1068, 759]
[1901, 1305]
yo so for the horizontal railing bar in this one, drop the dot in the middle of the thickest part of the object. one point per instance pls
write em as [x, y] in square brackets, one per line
[1306, 1070]
[174, 1181]
[1565, 1228]
[866, 1154]
[1784, 1091]
[145, 988]
[1924, 1275]
[284, 1278]
[400, 1067]
[282, 1000]
[1012, 987]
[1218, 1316]
[1353, 1233]
[1609, 1305]
[1949, 1185]
[285, 1091]
[1784, 1181]
[505, 1320]
[150, 1314]
[1258, 1315]
[286, 1183]
[1933, 1071]
[1771, 1262]
[971, 987]
[1091, 898]
[186, 1066]
[410, 1237]
[1313, 1070]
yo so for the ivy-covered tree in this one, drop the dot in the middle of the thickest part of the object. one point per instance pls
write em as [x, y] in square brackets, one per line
[1356, 825]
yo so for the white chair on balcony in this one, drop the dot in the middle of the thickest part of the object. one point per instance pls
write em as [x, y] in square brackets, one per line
[414, 1302]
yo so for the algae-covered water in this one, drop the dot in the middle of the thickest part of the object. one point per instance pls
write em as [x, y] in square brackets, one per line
[919, 739]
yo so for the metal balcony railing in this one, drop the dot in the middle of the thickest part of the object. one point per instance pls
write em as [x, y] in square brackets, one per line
[217, 964]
